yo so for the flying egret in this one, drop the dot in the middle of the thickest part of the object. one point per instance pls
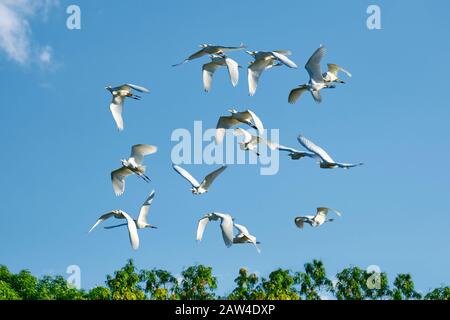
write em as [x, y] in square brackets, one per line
[132, 165]
[317, 220]
[216, 62]
[226, 225]
[263, 61]
[326, 162]
[245, 237]
[199, 188]
[251, 142]
[209, 49]
[119, 94]
[140, 223]
[332, 74]
[316, 80]
[247, 117]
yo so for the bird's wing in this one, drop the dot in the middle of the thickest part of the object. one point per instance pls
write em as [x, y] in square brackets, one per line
[256, 120]
[328, 209]
[348, 165]
[299, 222]
[233, 70]
[283, 52]
[296, 93]
[314, 148]
[101, 219]
[143, 213]
[138, 151]
[137, 88]
[198, 54]
[270, 144]
[313, 65]
[288, 149]
[208, 72]
[321, 215]
[223, 49]
[285, 60]
[227, 229]
[201, 227]
[186, 175]
[209, 179]
[334, 69]
[223, 124]
[316, 96]
[242, 229]
[118, 179]
[242, 132]
[255, 69]
[132, 231]
[116, 108]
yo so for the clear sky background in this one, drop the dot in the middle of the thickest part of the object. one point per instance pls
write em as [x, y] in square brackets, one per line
[59, 142]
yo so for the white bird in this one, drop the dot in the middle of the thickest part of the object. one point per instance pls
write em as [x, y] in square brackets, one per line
[245, 237]
[251, 142]
[264, 61]
[226, 225]
[247, 117]
[317, 220]
[216, 62]
[140, 223]
[199, 188]
[326, 162]
[209, 49]
[316, 80]
[132, 165]
[119, 94]
[332, 75]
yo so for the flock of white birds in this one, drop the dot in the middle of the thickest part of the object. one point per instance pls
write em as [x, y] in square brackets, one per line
[263, 60]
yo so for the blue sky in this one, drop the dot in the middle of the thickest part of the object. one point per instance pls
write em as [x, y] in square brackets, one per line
[59, 141]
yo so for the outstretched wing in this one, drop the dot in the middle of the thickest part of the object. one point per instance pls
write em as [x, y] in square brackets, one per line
[193, 56]
[118, 179]
[295, 94]
[256, 120]
[186, 175]
[233, 70]
[241, 229]
[101, 219]
[224, 123]
[313, 65]
[315, 149]
[255, 69]
[209, 179]
[132, 231]
[208, 72]
[137, 88]
[299, 222]
[241, 132]
[143, 213]
[116, 108]
[285, 60]
[226, 226]
[138, 151]
[201, 227]
[334, 69]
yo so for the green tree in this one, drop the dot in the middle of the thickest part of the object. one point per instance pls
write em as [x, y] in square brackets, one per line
[404, 288]
[279, 286]
[7, 293]
[198, 283]
[159, 284]
[124, 285]
[245, 286]
[313, 281]
[442, 293]
[99, 293]
[57, 288]
[350, 282]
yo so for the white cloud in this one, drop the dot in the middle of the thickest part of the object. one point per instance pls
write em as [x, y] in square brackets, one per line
[45, 56]
[15, 30]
